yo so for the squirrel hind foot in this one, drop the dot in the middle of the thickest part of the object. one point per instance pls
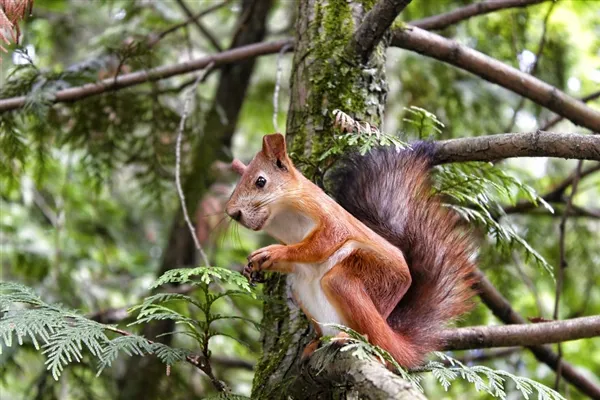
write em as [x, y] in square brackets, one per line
[310, 349]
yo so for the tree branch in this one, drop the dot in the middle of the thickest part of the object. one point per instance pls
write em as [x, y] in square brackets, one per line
[91, 89]
[563, 263]
[330, 368]
[479, 337]
[532, 144]
[492, 70]
[556, 195]
[502, 309]
[441, 21]
[203, 30]
[491, 355]
[229, 362]
[193, 18]
[374, 25]
[533, 69]
[557, 119]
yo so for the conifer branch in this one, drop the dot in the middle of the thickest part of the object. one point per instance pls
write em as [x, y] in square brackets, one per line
[127, 80]
[197, 360]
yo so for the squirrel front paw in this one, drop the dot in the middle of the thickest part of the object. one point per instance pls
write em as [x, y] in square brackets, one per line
[260, 260]
[264, 258]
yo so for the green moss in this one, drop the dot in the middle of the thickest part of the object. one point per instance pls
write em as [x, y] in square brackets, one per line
[368, 4]
[276, 317]
[335, 83]
[398, 24]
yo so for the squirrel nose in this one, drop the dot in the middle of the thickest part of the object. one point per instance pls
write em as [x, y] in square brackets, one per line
[235, 214]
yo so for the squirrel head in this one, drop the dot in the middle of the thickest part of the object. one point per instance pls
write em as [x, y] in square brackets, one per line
[264, 184]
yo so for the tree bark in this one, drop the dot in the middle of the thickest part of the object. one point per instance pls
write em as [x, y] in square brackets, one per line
[328, 373]
[480, 337]
[325, 77]
[530, 144]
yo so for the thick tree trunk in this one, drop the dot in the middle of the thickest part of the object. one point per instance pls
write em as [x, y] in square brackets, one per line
[325, 77]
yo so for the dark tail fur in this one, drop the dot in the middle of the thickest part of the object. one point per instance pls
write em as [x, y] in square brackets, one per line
[390, 192]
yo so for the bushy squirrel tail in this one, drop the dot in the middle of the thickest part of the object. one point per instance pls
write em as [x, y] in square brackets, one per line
[389, 190]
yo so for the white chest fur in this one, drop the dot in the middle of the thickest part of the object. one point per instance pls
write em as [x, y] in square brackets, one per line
[306, 288]
[290, 227]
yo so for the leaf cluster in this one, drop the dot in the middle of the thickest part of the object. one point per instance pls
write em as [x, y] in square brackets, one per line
[476, 192]
[63, 334]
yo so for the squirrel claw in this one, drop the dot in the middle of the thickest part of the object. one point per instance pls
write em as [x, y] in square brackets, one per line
[252, 275]
[261, 259]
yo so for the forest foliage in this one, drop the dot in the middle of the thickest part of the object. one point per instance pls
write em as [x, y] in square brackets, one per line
[88, 197]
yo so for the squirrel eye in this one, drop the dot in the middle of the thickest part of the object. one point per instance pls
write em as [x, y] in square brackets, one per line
[261, 182]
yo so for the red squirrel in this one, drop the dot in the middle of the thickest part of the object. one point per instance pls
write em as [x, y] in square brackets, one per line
[387, 259]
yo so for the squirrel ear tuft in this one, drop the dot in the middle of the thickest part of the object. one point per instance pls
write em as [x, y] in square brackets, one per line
[238, 166]
[274, 146]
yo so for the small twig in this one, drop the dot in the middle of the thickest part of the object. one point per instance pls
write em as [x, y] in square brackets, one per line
[555, 195]
[184, 115]
[442, 21]
[283, 50]
[487, 356]
[203, 30]
[189, 20]
[528, 282]
[563, 264]
[47, 211]
[533, 69]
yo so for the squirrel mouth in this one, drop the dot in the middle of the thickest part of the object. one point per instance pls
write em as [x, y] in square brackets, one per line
[253, 224]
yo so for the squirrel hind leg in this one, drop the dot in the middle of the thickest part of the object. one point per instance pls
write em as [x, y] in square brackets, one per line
[351, 299]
